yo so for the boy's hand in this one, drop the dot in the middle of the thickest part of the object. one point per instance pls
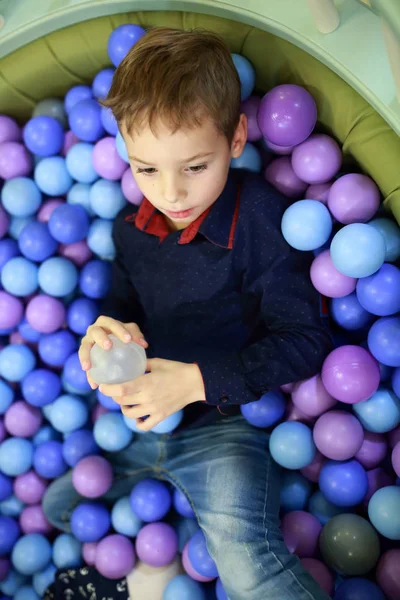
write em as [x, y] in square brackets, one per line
[168, 387]
[98, 334]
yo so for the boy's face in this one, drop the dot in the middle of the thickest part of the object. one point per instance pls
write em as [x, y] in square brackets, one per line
[183, 173]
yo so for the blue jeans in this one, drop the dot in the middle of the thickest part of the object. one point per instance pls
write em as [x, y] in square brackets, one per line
[233, 486]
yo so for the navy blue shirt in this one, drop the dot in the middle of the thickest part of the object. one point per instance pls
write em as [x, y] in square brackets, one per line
[227, 293]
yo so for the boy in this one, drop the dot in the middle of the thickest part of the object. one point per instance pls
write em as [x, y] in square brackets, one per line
[204, 280]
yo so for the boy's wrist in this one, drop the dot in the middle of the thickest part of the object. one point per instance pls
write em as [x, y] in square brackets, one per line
[198, 392]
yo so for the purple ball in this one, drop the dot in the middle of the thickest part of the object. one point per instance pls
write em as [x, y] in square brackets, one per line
[318, 192]
[130, 188]
[79, 252]
[106, 160]
[15, 160]
[4, 222]
[89, 553]
[311, 397]
[338, 435]
[11, 311]
[45, 313]
[317, 160]
[33, 520]
[373, 450]
[388, 574]
[280, 150]
[5, 567]
[353, 198]
[379, 293]
[377, 479]
[250, 109]
[47, 209]
[115, 556]
[30, 487]
[92, 477]
[280, 174]
[157, 544]
[9, 130]
[287, 115]
[301, 533]
[23, 420]
[350, 374]
[320, 573]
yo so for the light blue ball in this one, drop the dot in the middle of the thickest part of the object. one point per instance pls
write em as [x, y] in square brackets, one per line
[11, 507]
[391, 232]
[45, 434]
[306, 225]
[247, 75]
[19, 276]
[184, 588]
[380, 413]
[106, 198]
[121, 147]
[52, 177]
[169, 424]
[100, 239]
[31, 553]
[358, 250]
[26, 592]
[58, 276]
[111, 433]
[16, 456]
[291, 445]
[42, 580]
[16, 361]
[79, 163]
[17, 224]
[80, 194]
[6, 396]
[124, 520]
[131, 423]
[322, 509]
[295, 491]
[250, 159]
[12, 583]
[21, 197]
[68, 413]
[67, 551]
[384, 511]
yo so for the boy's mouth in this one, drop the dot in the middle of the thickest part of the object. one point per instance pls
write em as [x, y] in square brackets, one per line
[181, 214]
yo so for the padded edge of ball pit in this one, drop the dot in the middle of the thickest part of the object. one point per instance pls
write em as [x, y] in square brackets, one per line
[70, 56]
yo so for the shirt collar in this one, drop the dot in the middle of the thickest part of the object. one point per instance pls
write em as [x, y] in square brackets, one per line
[217, 223]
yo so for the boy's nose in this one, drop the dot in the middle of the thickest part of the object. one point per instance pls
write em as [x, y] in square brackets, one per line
[171, 192]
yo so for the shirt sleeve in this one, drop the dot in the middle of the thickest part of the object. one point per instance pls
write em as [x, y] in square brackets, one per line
[292, 341]
[122, 301]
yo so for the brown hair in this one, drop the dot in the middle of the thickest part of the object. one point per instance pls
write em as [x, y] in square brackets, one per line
[178, 76]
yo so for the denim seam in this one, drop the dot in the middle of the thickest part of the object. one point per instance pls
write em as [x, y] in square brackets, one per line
[183, 490]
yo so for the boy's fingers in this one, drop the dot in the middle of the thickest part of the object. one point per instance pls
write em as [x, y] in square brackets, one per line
[92, 384]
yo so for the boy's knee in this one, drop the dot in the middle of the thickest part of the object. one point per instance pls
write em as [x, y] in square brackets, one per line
[59, 501]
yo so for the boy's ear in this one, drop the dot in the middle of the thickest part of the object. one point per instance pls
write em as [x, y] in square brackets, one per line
[239, 137]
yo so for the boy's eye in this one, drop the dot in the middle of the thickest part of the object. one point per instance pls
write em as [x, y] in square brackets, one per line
[149, 171]
[197, 168]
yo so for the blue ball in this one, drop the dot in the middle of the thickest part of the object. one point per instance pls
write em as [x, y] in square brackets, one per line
[41, 387]
[150, 500]
[169, 424]
[395, 382]
[68, 413]
[247, 75]
[6, 396]
[31, 553]
[358, 250]
[295, 491]
[79, 163]
[19, 276]
[384, 513]
[8, 249]
[220, 591]
[182, 504]
[26, 592]
[108, 402]
[199, 556]
[90, 521]
[48, 460]
[17, 225]
[67, 551]
[121, 147]
[111, 433]
[344, 483]
[266, 411]
[184, 588]
[16, 455]
[12, 583]
[77, 445]
[52, 177]
[43, 136]
[9, 533]
[108, 121]
[85, 122]
[11, 506]
[95, 279]
[379, 293]
[55, 348]
[250, 159]
[21, 197]
[322, 509]
[124, 520]
[380, 413]
[69, 223]
[121, 41]
[74, 375]
[384, 341]
[106, 198]
[100, 239]
[80, 194]
[358, 588]
[16, 361]
[35, 241]
[348, 312]
[102, 83]
[42, 580]
[306, 224]
[82, 312]
[6, 487]
[45, 434]
[291, 445]
[76, 94]
[391, 232]
[58, 276]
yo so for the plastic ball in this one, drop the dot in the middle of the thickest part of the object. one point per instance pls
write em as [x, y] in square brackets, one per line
[67, 551]
[74, 376]
[76, 94]
[318, 192]
[31, 553]
[70, 139]
[13, 582]
[85, 122]
[9, 130]
[106, 198]
[30, 487]
[306, 225]
[246, 74]
[311, 397]
[379, 293]
[33, 520]
[338, 435]
[353, 198]
[100, 239]
[92, 476]
[396, 459]
[350, 374]
[79, 194]
[200, 557]
[287, 115]
[150, 500]
[111, 433]
[95, 278]
[121, 147]
[380, 413]
[68, 413]
[45, 313]
[384, 341]
[11, 506]
[266, 411]
[388, 574]
[295, 491]
[8, 247]
[26, 592]
[43, 136]
[11, 311]
[250, 108]
[108, 121]
[317, 160]
[182, 504]
[5, 567]
[41, 387]
[349, 313]
[15, 160]
[130, 188]
[19, 276]
[90, 521]
[77, 445]
[358, 250]
[22, 420]
[9, 534]
[250, 159]
[115, 556]
[383, 511]
[43, 579]
[69, 223]
[36, 243]
[184, 588]
[328, 280]
[6, 487]
[391, 233]
[123, 519]
[78, 252]
[373, 450]
[343, 483]
[322, 509]
[102, 83]
[157, 544]
[51, 107]
[349, 544]
[21, 197]
[357, 588]
[106, 160]
[48, 460]
[121, 41]
[300, 533]
[16, 456]
[52, 177]
[291, 445]
[79, 161]
[320, 573]
[280, 174]
[89, 553]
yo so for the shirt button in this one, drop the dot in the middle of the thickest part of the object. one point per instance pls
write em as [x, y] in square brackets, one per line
[224, 399]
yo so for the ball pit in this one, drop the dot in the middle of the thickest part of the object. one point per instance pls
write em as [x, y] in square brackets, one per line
[55, 249]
